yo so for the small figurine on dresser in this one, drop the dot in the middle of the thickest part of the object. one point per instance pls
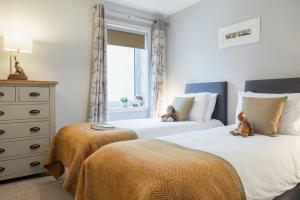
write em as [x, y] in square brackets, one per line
[170, 116]
[19, 73]
[244, 128]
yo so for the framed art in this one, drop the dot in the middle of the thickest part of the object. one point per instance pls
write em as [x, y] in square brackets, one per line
[240, 34]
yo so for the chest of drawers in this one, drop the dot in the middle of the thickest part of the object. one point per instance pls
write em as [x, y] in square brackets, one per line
[27, 126]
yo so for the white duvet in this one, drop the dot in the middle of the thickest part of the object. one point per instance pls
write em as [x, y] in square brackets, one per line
[152, 128]
[267, 166]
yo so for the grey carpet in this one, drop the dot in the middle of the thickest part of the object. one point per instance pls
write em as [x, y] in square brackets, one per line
[33, 188]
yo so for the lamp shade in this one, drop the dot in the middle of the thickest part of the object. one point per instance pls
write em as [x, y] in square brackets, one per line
[18, 43]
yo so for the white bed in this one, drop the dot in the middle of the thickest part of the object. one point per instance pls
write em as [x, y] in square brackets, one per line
[267, 166]
[209, 110]
[152, 128]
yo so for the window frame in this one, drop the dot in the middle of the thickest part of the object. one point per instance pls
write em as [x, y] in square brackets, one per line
[146, 31]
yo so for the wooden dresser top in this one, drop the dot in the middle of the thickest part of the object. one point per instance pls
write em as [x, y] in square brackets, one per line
[27, 82]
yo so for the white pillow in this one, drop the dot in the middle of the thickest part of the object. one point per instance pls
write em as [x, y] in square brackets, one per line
[199, 107]
[290, 120]
[212, 99]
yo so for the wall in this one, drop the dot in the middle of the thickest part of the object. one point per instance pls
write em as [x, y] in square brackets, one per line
[194, 56]
[61, 31]
[128, 113]
[124, 10]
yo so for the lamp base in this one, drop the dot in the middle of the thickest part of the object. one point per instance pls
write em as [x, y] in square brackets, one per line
[17, 77]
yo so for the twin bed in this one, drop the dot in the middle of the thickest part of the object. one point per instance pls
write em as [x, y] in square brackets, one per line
[152, 128]
[198, 164]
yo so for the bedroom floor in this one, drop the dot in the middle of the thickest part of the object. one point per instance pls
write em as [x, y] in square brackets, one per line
[33, 188]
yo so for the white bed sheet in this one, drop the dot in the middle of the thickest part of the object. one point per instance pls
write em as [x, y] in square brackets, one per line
[267, 166]
[152, 127]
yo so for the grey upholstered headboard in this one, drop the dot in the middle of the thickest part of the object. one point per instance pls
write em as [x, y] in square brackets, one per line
[276, 86]
[220, 88]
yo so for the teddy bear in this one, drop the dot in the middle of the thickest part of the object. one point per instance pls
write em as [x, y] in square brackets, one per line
[170, 116]
[244, 128]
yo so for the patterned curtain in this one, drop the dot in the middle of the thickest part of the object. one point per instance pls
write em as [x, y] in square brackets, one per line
[98, 85]
[158, 66]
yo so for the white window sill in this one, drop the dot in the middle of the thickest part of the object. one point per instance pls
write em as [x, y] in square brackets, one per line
[127, 109]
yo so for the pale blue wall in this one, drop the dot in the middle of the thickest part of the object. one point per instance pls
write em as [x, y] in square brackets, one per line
[194, 56]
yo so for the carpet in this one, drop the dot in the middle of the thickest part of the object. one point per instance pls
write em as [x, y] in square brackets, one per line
[38, 187]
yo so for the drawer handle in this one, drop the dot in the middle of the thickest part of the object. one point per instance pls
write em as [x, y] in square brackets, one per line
[34, 164]
[35, 146]
[2, 132]
[2, 113]
[2, 169]
[2, 94]
[35, 112]
[2, 150]
[35, 129]
[34, 94]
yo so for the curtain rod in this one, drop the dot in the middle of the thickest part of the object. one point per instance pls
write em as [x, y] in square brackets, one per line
[124, 13]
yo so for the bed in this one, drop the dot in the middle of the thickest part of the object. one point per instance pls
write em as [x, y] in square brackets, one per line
[263, 175]
[278, 86]
[268, 167]
[206, 141]
[74, 143]
[151, 128]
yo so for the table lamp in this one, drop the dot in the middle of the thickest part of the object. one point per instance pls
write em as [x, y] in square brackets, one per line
[17, 44]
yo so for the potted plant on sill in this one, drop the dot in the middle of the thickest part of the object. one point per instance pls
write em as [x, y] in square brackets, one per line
[124, 101]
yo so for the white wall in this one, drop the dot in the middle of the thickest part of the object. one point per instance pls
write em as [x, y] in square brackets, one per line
[62, 34]
[194, 55]
[61, 30]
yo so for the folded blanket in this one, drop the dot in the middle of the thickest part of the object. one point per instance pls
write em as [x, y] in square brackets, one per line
[157, 170]
[73, 144]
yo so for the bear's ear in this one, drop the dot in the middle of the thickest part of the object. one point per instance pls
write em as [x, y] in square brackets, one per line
[173, 109]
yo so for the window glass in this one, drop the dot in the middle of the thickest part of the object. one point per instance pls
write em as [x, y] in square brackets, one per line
[128, 72]
[120, 72]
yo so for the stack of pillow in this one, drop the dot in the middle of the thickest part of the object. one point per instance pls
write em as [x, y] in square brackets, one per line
[195, 106]
[271, 114]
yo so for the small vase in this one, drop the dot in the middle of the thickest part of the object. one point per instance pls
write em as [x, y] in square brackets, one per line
[125, 104]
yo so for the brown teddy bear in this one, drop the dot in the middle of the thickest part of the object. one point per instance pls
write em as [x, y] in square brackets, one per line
[170, 116]
[244, 128]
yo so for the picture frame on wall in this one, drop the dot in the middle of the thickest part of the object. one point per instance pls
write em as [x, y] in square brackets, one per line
[242, 33]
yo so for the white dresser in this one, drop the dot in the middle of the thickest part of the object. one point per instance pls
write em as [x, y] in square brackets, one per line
[27, 125]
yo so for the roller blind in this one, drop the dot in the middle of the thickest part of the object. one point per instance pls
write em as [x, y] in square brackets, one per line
[126, 39]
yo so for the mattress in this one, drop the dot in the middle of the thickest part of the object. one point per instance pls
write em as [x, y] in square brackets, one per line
[267, 166]
[152, 127]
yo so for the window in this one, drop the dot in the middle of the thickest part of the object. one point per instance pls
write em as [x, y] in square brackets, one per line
[120, 72]
[127, 67]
